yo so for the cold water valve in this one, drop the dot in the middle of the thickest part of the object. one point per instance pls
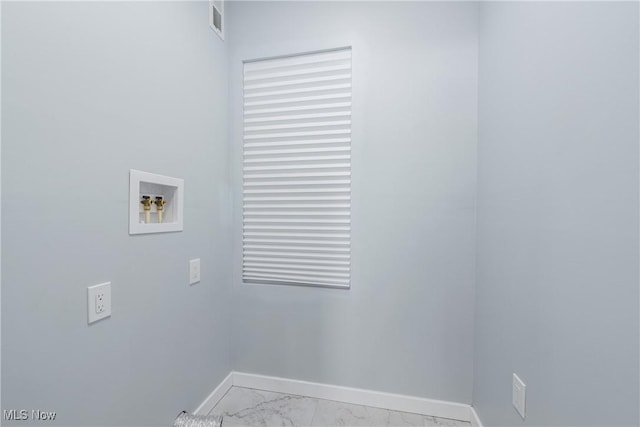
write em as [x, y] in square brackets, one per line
[160, 202]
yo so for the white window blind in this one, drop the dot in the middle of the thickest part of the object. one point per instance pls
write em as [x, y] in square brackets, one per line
[297, 169]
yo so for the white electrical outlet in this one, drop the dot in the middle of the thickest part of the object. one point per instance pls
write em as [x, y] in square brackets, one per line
[98, 301]
[518, 395]
[194, 271]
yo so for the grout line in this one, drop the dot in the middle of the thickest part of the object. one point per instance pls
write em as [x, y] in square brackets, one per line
[315, 411]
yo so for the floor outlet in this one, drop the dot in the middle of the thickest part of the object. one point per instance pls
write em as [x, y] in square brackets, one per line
[194, 271]
[518, 395]
[98, 302]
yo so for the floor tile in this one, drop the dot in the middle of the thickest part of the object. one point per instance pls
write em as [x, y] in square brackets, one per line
[247, 407]
[256, 408]
[329, 414]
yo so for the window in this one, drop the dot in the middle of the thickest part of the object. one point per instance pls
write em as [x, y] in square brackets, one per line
[297, 170]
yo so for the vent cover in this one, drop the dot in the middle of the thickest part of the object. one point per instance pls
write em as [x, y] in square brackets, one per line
[297, 170]
[216, 17]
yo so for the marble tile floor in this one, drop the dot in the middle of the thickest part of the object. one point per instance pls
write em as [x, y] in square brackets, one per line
[256, 408]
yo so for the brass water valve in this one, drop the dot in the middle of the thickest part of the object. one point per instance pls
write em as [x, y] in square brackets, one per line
[160, 202]
[146, 202]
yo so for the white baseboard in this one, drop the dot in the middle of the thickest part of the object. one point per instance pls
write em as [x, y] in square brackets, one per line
[475, 419]
[215, 396]
[356, 396]
[396, 402]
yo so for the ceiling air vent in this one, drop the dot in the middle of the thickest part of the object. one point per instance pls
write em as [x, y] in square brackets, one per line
[216, 16]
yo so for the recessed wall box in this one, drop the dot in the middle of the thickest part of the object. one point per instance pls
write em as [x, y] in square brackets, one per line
[156, 203]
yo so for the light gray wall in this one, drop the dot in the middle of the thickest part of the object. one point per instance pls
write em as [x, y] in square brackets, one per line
[0, 206]
[90, 91]
[557, 291]
[405, 326]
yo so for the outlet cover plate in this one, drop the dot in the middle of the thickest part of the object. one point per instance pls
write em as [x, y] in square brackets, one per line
[194, 271]
[98, 302]
[518, 395]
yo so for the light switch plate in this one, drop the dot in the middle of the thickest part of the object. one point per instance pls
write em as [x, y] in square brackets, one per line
[98, 302]
[194, 271]
[518, 395]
